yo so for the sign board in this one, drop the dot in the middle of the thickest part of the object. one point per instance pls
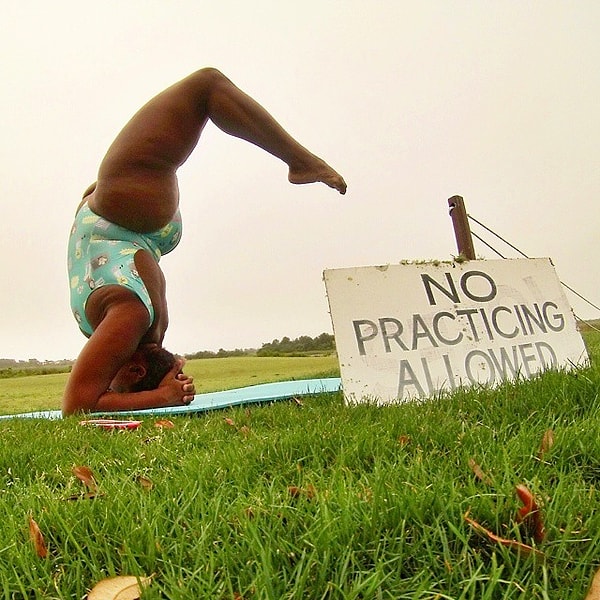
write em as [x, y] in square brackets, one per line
[414, 330]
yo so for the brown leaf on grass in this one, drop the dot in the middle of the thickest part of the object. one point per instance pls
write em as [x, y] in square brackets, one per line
[403, 440]
[547, 443]
[529, 514]
[229, 422]
[119, 588]
[145, 482]
[164, 424]
[518, 547]
[294, 491]
[366, 494]
[85, 475]
[308, 492]
[35, 535]
[594, 591]
[480, 473]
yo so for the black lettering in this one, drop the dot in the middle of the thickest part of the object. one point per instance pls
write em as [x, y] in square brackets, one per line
[520, 318]
[486, 323]
[481, 368]
[558, 319]
[427, 374]
[408, 378]
[449, 371]
[450, 292]
[552, 362]
[505, 361]
[438, 334]
[531, 318]
[463, 286]
[420, 331]
[469, 312]
[362, 337]
[504, 334]
[391, 335]
[526, 358]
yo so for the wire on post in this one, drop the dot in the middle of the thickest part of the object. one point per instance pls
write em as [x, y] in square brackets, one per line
[464, 240]
[462, 232]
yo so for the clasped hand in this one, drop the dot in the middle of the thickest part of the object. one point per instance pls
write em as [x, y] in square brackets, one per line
[178, 386]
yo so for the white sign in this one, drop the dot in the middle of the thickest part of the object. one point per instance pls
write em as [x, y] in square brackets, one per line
[413, 330]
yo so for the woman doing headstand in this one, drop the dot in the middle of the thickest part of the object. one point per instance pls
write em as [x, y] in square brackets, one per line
[129, 218]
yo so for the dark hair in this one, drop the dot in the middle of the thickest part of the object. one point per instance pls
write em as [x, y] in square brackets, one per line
[159, 362]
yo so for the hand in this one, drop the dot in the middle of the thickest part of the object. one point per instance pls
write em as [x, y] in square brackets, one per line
[188, 387]
[179, 387]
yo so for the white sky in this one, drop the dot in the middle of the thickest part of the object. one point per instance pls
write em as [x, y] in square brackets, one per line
[412, 102]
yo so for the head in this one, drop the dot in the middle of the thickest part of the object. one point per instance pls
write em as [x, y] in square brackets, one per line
[144, 370]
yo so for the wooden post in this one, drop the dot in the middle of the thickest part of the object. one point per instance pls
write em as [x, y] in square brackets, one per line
[462, 231]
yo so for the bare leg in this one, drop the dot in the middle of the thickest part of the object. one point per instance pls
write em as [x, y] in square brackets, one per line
[137, 181]
[239, 115]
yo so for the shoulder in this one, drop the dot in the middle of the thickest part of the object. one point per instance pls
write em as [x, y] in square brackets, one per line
[118, 305]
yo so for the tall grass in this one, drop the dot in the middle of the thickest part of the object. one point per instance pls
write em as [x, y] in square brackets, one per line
[316, 501]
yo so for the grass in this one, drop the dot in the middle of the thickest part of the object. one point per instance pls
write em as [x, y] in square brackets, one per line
[316, 501]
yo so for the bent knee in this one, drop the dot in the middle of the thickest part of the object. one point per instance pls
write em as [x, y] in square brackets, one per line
[209, 72]
[209, 77]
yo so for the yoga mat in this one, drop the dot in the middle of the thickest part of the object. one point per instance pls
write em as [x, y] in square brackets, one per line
[254, 394]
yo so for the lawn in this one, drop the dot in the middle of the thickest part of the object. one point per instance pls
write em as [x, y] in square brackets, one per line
[44, 392]
[317, 500]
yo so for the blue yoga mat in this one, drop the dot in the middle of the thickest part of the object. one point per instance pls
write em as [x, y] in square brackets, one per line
[265, 392]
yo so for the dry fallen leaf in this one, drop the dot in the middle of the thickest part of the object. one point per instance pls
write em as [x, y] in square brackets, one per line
[403, 440]
[308, 492]
[594, 591]
[164, 424]
[35, 534]
[480, 473]
[229, 421]
[529, 514]
[145, 482]
[119, 588]
[547, 443]
[85, 475]
[518, 547]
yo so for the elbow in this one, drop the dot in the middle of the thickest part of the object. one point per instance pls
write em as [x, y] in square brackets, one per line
[69, 408]
[73, 406]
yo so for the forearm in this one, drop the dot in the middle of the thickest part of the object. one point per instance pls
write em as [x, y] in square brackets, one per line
[115, 401]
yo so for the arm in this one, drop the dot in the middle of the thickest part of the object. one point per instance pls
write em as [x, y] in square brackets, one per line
[112, 344]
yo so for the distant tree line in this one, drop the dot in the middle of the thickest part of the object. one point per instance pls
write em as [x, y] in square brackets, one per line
[304, 344]
[222, 353]
[301, 345]
[21, 368]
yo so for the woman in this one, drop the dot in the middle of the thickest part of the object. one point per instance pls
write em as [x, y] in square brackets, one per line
[129, 218]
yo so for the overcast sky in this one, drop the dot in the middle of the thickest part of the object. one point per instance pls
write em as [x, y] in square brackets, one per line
[413, 102]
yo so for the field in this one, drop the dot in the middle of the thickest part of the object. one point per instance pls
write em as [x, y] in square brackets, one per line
[44, 392]
[317, 500]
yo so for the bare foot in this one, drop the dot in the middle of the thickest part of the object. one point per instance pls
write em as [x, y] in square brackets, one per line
[317, 170]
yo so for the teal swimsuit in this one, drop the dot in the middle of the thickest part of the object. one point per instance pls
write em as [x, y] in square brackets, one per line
[101, 253]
